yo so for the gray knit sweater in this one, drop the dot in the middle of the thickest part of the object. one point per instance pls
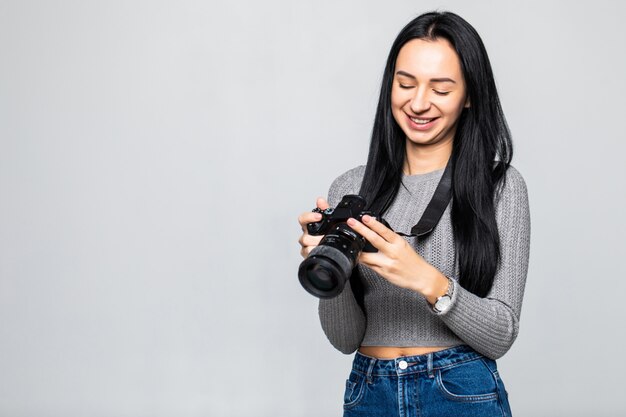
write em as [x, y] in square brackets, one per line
[397, 316]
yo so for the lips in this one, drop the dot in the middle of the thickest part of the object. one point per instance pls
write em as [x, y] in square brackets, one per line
[421, 123]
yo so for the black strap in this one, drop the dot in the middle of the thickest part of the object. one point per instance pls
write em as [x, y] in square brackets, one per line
[424, 226]
[436, 206]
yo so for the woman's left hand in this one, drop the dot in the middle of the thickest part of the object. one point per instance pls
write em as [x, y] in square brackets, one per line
[396, 260]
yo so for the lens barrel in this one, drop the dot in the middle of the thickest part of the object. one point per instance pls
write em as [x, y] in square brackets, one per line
[329, 265]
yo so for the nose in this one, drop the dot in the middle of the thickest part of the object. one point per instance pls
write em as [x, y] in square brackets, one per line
[420, 102]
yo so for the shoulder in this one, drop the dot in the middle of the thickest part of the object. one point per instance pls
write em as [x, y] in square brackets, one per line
[516, 178]
[347, 183]
[350, 178]
[512, 196]
[513, 184]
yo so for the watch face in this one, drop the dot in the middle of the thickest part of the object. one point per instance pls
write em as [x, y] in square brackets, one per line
[443, 303]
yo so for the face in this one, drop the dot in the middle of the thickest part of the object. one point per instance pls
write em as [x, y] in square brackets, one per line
[428, 93]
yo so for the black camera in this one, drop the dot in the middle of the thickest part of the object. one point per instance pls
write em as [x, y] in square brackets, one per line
[329, 265]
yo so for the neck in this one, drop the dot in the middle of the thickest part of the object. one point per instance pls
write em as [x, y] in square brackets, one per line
[421, 159]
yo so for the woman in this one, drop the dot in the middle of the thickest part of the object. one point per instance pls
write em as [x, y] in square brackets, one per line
[434, 312]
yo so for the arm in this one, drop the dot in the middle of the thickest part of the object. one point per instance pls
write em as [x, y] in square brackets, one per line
[342, 319]
[491, 324]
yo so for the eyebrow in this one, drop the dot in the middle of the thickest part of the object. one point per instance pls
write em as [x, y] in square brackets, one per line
[432, 80]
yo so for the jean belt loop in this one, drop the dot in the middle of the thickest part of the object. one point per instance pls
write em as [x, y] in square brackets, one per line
[429, 364]
[370, 368]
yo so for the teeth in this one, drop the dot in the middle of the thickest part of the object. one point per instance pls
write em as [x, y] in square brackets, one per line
[421, 121]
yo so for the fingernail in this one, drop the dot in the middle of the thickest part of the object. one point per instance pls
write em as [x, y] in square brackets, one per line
[366, 218]
[351, 222]
[318, 216]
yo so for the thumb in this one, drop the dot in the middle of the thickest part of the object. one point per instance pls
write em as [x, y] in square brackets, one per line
[322, 203]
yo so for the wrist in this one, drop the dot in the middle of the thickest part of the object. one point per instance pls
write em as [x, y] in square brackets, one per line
[434, 286]
[444, 302]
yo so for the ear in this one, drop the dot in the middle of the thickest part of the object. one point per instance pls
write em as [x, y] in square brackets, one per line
[467, 103]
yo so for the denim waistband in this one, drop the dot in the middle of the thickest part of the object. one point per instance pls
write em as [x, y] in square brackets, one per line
[405, 365]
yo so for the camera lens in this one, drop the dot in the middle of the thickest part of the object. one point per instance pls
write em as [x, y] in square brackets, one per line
[327, 268]
[321, 278]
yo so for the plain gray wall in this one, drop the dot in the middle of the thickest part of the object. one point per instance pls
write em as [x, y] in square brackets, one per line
[154, 157]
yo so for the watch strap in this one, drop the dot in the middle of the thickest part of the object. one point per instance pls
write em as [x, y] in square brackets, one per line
[448, 294]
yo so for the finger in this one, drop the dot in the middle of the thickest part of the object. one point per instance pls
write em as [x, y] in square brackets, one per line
[306, 251]
[308, 240]
[371, 259]
[370, 235]
[322, 203]
[308, 217]
[382, 230]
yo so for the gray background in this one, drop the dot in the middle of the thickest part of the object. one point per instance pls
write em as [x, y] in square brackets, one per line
[154, 157]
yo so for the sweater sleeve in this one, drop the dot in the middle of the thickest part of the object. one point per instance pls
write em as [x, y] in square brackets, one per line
[342, 319]
[490, 325]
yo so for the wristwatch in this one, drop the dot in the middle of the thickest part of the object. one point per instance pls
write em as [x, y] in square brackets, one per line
[443, 302]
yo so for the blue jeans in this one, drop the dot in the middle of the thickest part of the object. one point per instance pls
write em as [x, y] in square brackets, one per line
[453, 382]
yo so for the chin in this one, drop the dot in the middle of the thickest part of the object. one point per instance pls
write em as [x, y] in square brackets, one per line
[430, 140]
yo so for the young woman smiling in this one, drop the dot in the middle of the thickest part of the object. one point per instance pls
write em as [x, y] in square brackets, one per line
[432, 314]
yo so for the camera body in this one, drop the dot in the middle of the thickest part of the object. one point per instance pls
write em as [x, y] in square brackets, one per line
[327, 268]
[351, 205]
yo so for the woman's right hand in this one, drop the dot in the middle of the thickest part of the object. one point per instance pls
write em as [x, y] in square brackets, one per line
[307, 241]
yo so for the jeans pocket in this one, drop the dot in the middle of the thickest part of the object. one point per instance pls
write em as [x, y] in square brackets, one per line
[354, 389]
[470, 381]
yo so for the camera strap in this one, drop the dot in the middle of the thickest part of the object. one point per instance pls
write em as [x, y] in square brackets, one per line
[436, 206]
[425, 225]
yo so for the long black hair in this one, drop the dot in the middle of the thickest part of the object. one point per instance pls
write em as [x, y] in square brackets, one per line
[481, 149]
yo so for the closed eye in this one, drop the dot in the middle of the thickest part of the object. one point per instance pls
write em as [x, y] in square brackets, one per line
[441, 93]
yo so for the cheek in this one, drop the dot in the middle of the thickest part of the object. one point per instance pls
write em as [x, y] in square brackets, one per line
[453, 108]
[397, 101]
[397, 113]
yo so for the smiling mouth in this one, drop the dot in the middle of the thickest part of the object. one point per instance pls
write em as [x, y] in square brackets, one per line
[422, 121]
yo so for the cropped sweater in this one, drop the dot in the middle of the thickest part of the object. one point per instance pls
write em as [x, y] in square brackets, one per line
[395, 316]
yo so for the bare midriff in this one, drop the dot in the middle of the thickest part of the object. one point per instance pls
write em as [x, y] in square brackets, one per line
[391, 352]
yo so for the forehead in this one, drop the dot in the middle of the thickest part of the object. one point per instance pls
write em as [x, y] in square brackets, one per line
[429, 59]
